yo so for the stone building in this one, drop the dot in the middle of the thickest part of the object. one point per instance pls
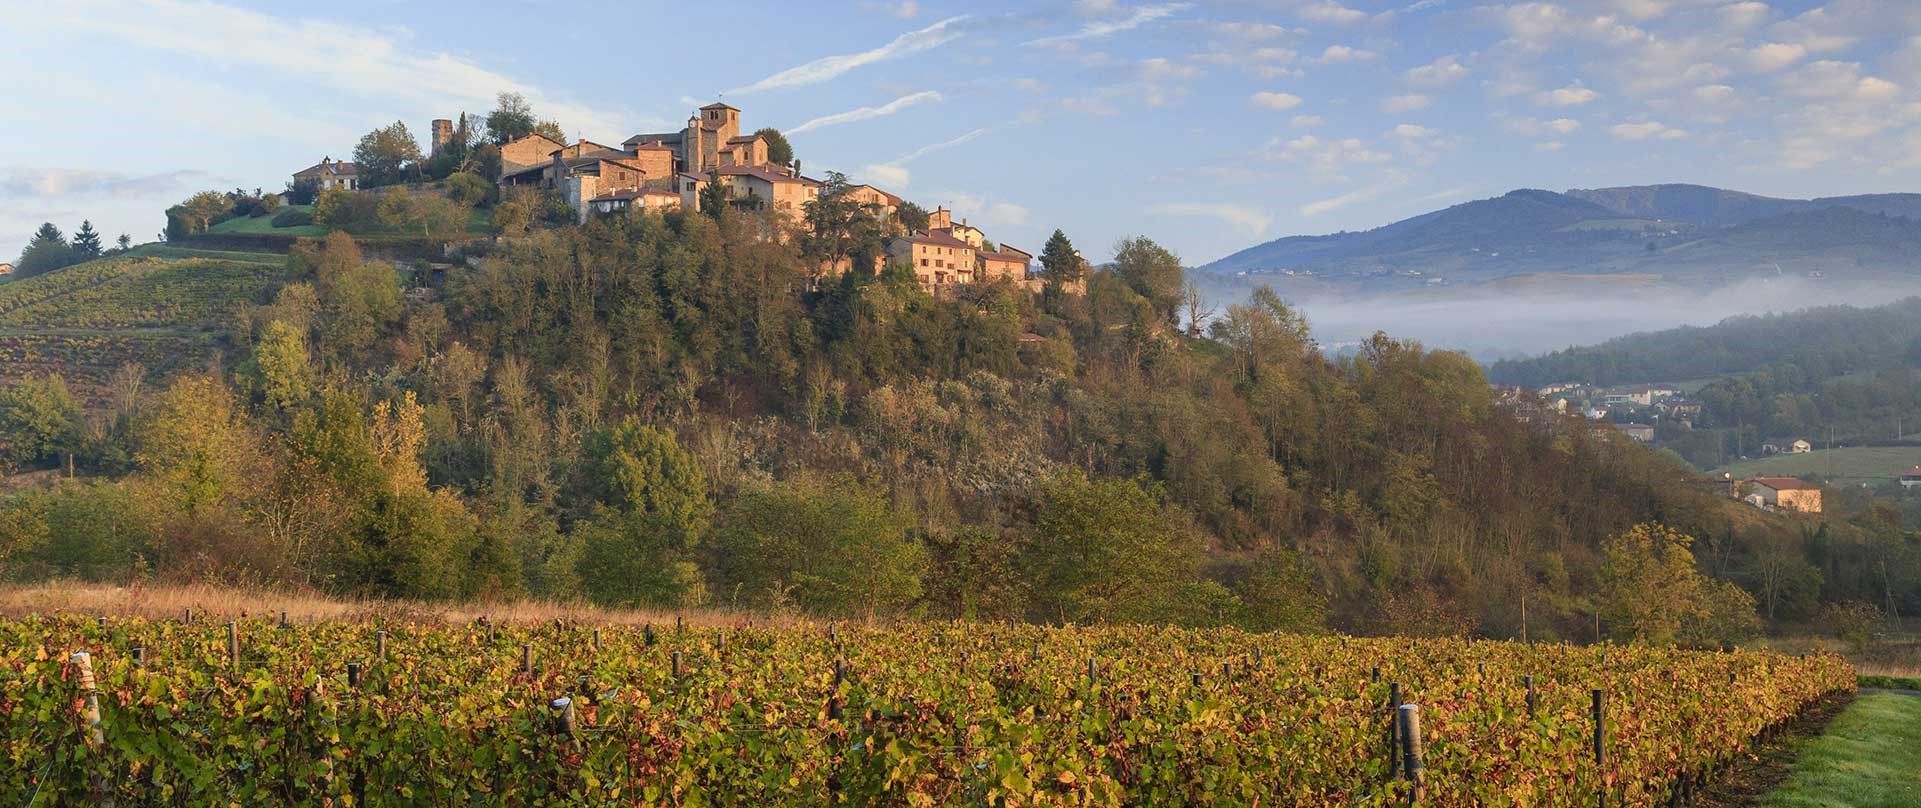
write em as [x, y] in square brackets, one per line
[711, 140]
[1786, 494]
[938, 259]
[443, 134]
[1006, 263]
[782, 190]
[329, 174]
[526, 152]
[637, 198]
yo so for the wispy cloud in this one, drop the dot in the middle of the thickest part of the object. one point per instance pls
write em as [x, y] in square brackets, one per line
[42, 182]
[1358, 195]
[1254, 220]
[867, 113]
[894, 172]
[1100, 28]
[359, 60]
[829, 67]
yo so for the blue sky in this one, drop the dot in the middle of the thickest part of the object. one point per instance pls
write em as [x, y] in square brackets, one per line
[1209, 126]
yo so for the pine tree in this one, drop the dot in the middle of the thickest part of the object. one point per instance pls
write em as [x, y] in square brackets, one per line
[124, 242]
[1060, 262]
[48, 250]
[86, 242]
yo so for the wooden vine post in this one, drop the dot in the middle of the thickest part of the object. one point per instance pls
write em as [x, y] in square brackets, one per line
[90, 716]
[1530, 694]
[1393, 727]
[380, 645]
[1409, 720]
[1600, 747]
[564, 727]
[527, 658]
[233, 645]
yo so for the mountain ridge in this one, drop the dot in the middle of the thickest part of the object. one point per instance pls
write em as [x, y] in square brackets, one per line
[1687, 234]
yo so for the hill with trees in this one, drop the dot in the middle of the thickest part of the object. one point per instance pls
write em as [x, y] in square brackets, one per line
[674, 411]
[1687, 236]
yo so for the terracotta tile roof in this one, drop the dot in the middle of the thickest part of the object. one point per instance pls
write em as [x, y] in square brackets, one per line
[1785, 484]
[719, 105]
[641, 147]
[1006, 250]
[336, 168]
[653, 137]
[743, 139]
[935, 239]
[1004, 256]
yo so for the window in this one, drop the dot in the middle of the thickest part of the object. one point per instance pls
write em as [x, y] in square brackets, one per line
[923, 262]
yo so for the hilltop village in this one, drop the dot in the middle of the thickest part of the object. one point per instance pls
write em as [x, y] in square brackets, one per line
[659, 171]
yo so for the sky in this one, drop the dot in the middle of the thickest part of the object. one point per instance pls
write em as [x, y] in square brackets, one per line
[1207, 126]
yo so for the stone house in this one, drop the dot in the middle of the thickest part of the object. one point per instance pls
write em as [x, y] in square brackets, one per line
[1786, 494]
[755, 188]
[711, 140]
[6, 268]
[1007, 263]
[641, 198]
[329, 174]
[938, 259]
[527, 152]
[1785, 446]
[884, 205]
[1909, 479]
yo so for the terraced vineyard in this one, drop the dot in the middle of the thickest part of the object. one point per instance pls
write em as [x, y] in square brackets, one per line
[400, 713]
[157, 308]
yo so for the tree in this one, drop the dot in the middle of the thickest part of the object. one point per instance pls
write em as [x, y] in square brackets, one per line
[199, 212]
[911, 216]
[832, 547]
[511, 120]
[468, 189]
[86, 242]
[551, 130]
[1198, 309]
[123, 243]
[1061, 264]
[41, 420]
[387, 155]
[839, 228]
[1107, 550]
[197, 445]
[714, 196]
[46, 251]
[779, 151]
[642, 469]
[358, 300]
[1153, 273]
[286, 368]
[1648, 587]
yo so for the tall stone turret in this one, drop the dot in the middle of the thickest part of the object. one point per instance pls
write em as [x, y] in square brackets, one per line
[692, 149]
[443, 134]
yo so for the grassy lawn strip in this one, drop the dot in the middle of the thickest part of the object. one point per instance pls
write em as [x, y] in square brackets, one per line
[1870, 756]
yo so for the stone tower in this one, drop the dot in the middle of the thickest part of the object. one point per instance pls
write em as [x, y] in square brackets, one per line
[692, 151]
[443, 134]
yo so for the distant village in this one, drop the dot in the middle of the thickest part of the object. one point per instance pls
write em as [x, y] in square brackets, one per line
[663, 170]
[1627, 412]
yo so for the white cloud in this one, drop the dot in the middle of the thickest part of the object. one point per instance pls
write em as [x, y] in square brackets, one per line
[1438, 73]
[1745, 15]
[1772, 56]
[1306, 121]
[1100, 28]
[1404, 103]
[1839, 81]
[830, 67]
[1362, 194]
[894, 172]
[367, 62]
[1646, 130]
[1534, 127]
[41, 182]
[979, 209]
[867, 113]
[1252, 31]
[1254, 220]
[1162, 69]
[1275, 101]
[1408, 131]
[1570, 96]
[1342, 54]
[1329, 11]
[1713, 93]
[1328, 158]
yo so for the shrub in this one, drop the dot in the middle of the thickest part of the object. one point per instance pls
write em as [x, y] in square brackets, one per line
[293, 217]
[468, 189]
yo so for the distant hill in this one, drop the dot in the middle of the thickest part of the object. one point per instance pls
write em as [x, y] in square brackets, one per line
[1689, 235]
[1823, 342]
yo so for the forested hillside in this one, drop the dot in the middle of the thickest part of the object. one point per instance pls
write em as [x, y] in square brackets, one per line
[671, 411]
[1821, 342]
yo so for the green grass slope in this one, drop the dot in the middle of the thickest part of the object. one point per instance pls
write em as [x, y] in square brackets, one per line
[1869, 757]
[162, 308]
[1848, 465]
